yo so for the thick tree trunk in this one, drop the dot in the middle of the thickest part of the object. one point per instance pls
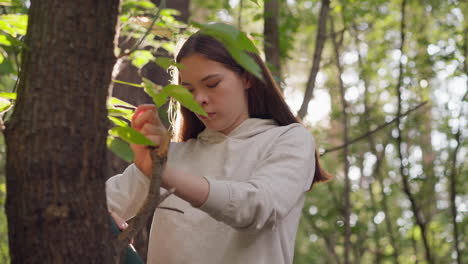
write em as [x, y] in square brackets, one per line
[56, 139]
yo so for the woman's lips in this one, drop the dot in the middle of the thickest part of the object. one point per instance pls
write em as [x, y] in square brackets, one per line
[210, 116]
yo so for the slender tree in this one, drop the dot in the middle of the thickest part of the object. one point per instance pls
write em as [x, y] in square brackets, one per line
[272, 39]
[319, 43]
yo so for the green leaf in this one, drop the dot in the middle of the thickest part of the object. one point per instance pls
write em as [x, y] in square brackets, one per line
[246, 61]
[2, 58]
[120, 112]
[184, 97]
[120, 148]
[117, 122]
[236, 42]
[141, 57]
[117, 102]
[17, 23]
[165, 62]
[128, 83]
[8, 95]
[4, 104]
[5, 2]
[130, 135]
[4, 41]
[159, 95]
[256, 2]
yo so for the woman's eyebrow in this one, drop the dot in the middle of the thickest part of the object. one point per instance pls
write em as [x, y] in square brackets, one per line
[204, 78]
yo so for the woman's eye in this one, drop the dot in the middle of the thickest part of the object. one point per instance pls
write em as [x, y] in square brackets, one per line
[213, 85]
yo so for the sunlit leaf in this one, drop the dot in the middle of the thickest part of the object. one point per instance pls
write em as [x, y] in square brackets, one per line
[184, 97]
[158, 95]
[117, 102]
[4, 104]
[255, 2]
[18, 23]
[117, 122]
[8, 95]
[161, 31]
[120, 112]
[5, 2]
[4, 40]
[120, 148]
[141, 57]
[167, 62]
[128, 83]
[130, 135]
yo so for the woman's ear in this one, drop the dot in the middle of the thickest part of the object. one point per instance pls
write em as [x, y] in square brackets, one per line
[247, 80]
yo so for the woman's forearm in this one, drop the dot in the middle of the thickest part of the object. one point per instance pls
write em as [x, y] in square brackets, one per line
[190, 188]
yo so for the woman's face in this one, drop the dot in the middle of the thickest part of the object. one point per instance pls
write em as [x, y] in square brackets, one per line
[221, 92]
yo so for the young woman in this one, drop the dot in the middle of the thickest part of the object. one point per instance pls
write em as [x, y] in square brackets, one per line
[240, 174]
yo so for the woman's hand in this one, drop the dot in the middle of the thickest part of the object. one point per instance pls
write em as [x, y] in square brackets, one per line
[146, 121]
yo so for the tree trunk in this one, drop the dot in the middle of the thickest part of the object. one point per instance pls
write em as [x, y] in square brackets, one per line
[127, 72]
[345, 122]
[319, 43]
[272, 40]
[56, 138]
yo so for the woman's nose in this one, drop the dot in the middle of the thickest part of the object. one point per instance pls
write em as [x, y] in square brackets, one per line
[201, 98]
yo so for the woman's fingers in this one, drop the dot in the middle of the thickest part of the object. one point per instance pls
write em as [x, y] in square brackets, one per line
[119, 221]
[149, 115]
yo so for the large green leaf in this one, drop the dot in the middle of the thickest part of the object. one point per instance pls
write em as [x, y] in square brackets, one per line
[120, 148]
[236, 42]
[117, 102]
[4, 40]
[14, 24]
[184, 97]
[130, 135]
[117, 122]
[159, 95]
[4, 104]
[8, 95]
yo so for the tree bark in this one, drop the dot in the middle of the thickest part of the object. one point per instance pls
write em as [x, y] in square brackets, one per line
[56, 137]
[272, 39]
[319, 43]
[344, 120]
[420, 222]
[127, 72]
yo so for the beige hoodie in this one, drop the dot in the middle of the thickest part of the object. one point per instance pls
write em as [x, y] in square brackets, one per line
[258, 177]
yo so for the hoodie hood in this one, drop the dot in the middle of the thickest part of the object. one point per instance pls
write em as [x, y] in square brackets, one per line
[247, 129]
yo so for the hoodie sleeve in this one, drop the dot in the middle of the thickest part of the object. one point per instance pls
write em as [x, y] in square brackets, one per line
[126, 192]
[276, 185]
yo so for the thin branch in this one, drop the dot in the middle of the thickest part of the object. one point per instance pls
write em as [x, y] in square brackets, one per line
[380, 127]
[330, 244]
[239, 18]
[153, 199]
[319, 43]
[148, 30]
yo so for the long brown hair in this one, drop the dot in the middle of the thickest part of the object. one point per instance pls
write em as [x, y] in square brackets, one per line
[264, 97]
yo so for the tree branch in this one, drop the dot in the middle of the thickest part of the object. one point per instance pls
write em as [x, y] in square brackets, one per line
[380, 127]
[148, 30]
[319, 43]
